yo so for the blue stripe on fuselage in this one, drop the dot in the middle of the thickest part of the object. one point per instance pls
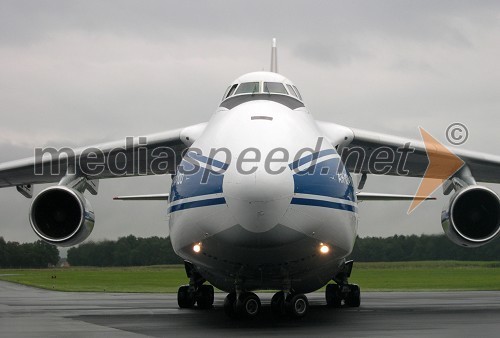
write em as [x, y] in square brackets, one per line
[207, 160]
[321, 179]
[325, 179]
[310, 158]
[324, 204]
[197, 204]
[193, 180]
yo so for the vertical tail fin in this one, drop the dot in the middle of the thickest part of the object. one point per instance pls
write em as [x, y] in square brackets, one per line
[274, 57]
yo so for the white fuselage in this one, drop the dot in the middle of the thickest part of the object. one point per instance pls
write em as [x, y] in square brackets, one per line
[261, 214]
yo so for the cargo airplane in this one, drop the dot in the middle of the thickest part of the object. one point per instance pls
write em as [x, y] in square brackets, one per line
[262, 195]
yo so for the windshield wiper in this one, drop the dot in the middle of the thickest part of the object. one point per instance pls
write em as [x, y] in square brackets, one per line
[255, 89]
[266, 89]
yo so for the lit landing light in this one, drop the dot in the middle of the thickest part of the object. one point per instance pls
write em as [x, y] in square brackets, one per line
[324, 249]
[197, 247]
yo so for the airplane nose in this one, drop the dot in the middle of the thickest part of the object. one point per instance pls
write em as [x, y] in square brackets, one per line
[259, 200]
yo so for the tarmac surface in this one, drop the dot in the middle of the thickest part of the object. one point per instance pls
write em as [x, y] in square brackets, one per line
[31, 312]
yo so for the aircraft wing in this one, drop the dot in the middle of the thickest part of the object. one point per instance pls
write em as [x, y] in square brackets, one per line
[483, 167]
[146, 155]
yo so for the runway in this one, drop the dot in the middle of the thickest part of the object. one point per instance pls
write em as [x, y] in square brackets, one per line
[26, 311]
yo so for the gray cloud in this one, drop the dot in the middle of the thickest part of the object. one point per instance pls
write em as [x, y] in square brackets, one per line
[27, 21]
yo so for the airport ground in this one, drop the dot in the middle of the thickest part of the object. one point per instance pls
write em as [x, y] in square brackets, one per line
[33, 312]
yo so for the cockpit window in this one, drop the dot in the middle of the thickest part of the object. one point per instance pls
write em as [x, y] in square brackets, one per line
[226, 92]
[274, 87]
[231, 90]
[248, 87]
[259, 87]
[298, 94]
[291, 91]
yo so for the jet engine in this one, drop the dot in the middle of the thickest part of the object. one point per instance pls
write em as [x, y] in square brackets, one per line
[62, 216]
[472, 216]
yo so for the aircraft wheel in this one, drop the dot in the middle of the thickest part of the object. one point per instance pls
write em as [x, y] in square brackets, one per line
[229, 304]
[333, 296]
[354, 297]
[297, 305]
[248, 305]
[185, 299]
[278, 303]
[205, 296]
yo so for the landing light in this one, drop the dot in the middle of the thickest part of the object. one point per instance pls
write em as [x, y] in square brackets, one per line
[324, 249]
[197, 247]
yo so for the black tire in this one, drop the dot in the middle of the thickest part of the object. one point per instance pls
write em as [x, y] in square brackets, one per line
[229, 304]
[278, 303]
[354, 297]
[297, 305]
[333, 296]
[185, 299]
[249, 305]
[205, 297]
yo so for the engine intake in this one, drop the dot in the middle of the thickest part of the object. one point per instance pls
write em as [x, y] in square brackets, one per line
[472, 217]
[62, 216]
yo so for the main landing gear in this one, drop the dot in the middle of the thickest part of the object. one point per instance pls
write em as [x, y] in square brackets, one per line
[203, 296]
[196, 292]
[292, 304]
[347, 295]
[248, 304]
[343, 293]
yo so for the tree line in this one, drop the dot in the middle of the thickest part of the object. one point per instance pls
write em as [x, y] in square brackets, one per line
[420, 248]
[27, 255]
[134, 251]
[126, 251]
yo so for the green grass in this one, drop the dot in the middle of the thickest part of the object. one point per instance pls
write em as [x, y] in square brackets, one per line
[433, 275]
[128, 279]
[399, 276]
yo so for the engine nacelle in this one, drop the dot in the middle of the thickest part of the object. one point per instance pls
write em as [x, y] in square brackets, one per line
[62, 216]
[472, 216]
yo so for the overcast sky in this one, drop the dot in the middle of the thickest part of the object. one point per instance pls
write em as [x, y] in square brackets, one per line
[77, 73]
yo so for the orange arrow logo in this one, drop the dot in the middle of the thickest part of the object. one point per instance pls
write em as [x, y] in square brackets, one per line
[443, 164]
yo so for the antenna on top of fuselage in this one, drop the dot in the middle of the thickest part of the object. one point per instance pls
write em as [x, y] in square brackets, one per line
[274, 57]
